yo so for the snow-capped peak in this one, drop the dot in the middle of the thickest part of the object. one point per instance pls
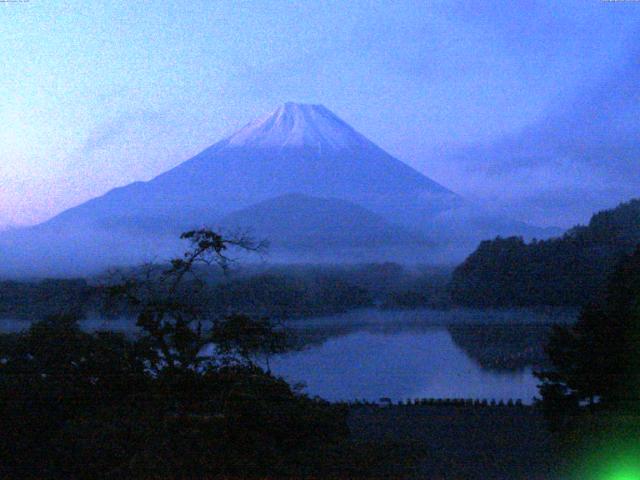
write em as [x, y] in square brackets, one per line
[297, 125]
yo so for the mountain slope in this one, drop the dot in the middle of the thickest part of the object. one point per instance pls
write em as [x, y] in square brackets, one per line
[297, 148]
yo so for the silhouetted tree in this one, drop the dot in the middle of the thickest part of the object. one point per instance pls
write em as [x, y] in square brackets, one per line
[171, 307]
[596, 362]
[184, 398]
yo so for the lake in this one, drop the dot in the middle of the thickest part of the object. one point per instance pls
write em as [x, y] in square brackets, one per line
[412, 354]
[370, 354]
[399, 365]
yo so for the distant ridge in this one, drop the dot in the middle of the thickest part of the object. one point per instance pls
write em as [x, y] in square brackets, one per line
[299, 223]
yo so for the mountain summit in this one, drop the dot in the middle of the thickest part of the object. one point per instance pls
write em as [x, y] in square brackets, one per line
[249, 180]
[298, 125]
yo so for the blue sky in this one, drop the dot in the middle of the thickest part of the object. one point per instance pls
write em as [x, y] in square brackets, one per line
[96, 94]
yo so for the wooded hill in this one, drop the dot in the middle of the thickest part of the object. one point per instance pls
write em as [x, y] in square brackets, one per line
[568, 270]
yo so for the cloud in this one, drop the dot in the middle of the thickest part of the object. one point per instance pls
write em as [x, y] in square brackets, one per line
[582, 157]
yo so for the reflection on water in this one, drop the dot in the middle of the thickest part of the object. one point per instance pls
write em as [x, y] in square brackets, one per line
[503, 346]
[412, 354]
[400, 365]
[371, 354]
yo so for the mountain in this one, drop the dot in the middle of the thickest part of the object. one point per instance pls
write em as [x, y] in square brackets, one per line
[334, 230]
[297, 148]
[8, 225]
[302, 149]
[568, 270]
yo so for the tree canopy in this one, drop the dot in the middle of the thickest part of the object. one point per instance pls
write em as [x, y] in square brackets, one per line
[596, 362]
[569, 270]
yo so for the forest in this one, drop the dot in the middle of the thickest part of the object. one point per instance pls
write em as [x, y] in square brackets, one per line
[279, 291]
[569, 270]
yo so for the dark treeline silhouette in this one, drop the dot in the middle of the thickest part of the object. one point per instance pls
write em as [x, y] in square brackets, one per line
[80, 405]
[285, 291]
[596, 362]
[590, 393]
[284, 296]
[429, 288]
[39, 299]
[186, 397]
[569, 270]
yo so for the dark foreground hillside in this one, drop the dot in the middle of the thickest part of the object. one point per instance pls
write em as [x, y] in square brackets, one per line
[569, 270]
[457, 442]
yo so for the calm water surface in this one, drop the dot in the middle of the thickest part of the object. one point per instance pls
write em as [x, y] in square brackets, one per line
[400, 355]
[405, 354]
[399, 365]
